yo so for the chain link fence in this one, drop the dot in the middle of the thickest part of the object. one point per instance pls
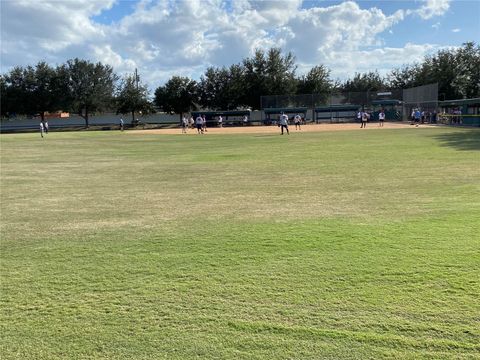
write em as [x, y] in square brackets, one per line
[424, 98]
[362, 99]
[398, 104]
[340, 106]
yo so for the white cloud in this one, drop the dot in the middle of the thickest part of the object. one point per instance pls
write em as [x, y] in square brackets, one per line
[53, 31]
[456, 30]
[383, 59]
[320, 32]
[109, 56]
[436, 25]
[432, 8]
[164, 38]
[51, 25]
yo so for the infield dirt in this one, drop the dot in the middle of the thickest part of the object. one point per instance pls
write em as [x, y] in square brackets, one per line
[276, 129]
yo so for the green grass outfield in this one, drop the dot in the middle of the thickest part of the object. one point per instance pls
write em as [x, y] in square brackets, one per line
[328, 245]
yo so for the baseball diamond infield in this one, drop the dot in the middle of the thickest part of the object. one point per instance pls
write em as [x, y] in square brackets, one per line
[276, 130]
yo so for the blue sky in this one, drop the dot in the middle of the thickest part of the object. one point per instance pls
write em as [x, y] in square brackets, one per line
[163, 38]
[116, 13]
[463, 15]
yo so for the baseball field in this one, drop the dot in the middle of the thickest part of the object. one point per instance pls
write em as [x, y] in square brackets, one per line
[354, 244]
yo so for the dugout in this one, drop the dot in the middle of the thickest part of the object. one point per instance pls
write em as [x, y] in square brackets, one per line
[391, 107]
[336, 113]
[272, 114]
[230, 117]
[461, 111]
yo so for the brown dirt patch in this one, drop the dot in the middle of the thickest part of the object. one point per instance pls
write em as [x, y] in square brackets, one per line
[275, 129]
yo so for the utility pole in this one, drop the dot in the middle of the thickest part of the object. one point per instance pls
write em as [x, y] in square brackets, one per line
[136, 78]
[136, 95]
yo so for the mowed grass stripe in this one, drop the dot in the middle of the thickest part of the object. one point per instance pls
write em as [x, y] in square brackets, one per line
[183, 247]
[174, 177]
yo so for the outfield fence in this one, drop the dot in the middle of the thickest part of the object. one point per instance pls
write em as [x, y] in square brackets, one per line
[338, 107]
[311, 101]
[398, 105]
[424, 98]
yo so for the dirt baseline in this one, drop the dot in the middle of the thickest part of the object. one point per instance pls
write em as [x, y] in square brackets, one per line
[276, 129]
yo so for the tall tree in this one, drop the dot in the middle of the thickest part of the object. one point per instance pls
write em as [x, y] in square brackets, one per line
[280, 72]
[91, 86]
[178, 95]
[32, 90]
[15, 93]
[404, 77]
[255, 84]
[3, 96]
[467, 80]
[370, 81]
[211, 88]
[268, 73]
[361, 85]
[236, 87]
[456, 70]
[42, 88]
[132, 97]
[222, 88]
[317, 81]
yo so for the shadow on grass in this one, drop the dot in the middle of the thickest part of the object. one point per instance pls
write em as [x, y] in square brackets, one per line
[469, 139]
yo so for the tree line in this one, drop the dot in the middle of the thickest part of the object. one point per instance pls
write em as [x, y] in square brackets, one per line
[78, 86]
[82, 87]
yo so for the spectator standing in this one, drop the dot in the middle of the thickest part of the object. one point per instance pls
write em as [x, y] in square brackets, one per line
[121, 124]
[220, 121]
[417, 116]
[45, 126]
[42, 128]
[245, 120]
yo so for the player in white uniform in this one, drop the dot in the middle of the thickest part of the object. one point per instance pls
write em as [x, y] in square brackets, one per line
[184, 125]
[381, 118]
[199, 124]
[298, 120]
[284, 122]
[364, 119]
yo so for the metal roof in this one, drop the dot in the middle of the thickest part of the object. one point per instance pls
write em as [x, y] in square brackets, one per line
[460, 102]
[386, 102]
[339, 107]
[223, 113]
[285, 110]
